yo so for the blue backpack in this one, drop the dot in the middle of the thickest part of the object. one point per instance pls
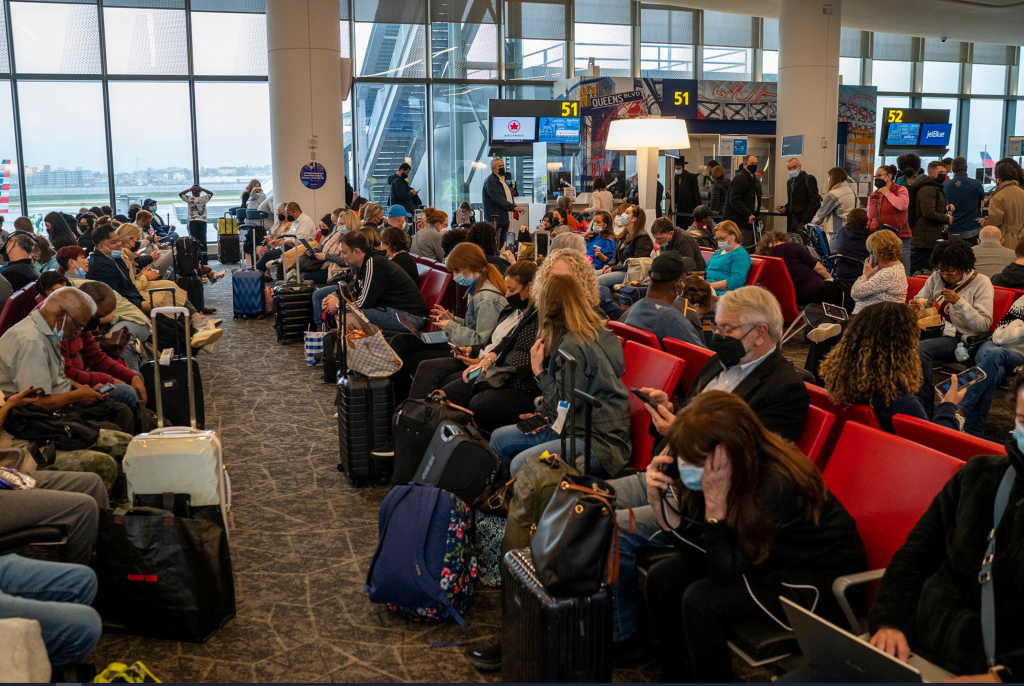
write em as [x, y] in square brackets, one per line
[424, 567]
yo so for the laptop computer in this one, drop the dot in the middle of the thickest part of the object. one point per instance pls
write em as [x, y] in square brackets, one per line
[425, 336]
[847, 658]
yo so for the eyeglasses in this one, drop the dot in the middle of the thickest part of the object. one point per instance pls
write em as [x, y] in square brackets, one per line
[727, 330]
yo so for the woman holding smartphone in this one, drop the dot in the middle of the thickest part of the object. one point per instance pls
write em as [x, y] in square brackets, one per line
[876, 363]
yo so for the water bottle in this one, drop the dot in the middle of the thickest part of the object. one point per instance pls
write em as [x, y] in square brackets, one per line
[420, 220]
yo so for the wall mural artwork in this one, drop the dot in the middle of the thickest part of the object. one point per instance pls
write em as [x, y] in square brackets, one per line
[605, 99]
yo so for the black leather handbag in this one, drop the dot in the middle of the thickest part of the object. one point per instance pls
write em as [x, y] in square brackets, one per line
[575, 548]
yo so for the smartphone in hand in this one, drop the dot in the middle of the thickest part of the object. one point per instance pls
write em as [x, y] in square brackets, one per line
[105, 389]
[644, 398]
[35, 392]
[528, 426]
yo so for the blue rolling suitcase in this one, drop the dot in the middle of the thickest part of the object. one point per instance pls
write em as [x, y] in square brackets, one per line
[247, 294]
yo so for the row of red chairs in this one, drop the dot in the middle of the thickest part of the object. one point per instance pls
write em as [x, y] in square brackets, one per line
[17, 307]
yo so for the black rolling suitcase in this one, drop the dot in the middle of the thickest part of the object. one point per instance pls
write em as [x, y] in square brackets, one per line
[544, 638]
[173, 389]
[414, 426]
[459, 461]
[293, 309]
[229, 248]
[365, 406]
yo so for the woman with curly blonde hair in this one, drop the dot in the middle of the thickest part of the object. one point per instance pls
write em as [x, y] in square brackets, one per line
[572, 263]
[876, 364]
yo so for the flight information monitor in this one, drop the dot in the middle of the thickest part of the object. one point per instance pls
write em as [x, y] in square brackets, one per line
[559, 130]
[903, 134]
[936, 134]
[513, 129]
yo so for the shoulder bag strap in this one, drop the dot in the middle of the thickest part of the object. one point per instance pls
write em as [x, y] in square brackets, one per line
[988, 601]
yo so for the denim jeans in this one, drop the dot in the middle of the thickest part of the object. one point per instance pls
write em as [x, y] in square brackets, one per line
[123, 393]
[606, 281]
[939, 349]
[387, 318]
[318, 302]
[514, 447]
[996, 361]
[139, 331]
[58, 596]
[905, 254]
[631, 490]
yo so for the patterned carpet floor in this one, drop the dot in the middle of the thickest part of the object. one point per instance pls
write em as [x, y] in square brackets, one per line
[302, 538]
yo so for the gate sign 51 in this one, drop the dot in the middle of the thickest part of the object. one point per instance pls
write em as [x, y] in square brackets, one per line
[679, 98]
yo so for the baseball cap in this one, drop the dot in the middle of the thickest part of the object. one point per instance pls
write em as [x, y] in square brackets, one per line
[148, 201]
[669, 267]
[397, 211]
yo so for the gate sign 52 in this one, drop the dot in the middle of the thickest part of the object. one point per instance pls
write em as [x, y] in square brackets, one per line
[679, 98]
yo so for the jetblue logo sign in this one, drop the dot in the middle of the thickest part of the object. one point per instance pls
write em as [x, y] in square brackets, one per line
[935, 134]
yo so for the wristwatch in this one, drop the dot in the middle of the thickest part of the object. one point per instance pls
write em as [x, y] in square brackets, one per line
[997, 672]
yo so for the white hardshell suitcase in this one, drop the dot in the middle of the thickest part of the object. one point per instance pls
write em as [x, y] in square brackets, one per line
[178, 459]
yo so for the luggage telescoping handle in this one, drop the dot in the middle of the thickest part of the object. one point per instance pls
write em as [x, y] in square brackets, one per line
[589, 401]
[157, 388]
[296, 248]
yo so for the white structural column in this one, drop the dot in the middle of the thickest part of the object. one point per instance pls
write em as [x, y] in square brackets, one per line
[303, 56]
[808, 86]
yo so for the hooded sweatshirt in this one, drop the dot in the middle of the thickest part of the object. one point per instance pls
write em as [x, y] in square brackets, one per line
[600, 366]
[1012, 276]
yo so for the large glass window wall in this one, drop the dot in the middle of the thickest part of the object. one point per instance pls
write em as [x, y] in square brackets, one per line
[155, 89]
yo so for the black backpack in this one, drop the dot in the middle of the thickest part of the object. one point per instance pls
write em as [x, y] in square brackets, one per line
[66, 431]
[186, 257]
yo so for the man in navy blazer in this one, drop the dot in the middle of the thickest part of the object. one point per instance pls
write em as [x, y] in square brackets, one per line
[106, 266]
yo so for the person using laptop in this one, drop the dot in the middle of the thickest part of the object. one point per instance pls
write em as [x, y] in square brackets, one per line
[751, 520]
[485, 301]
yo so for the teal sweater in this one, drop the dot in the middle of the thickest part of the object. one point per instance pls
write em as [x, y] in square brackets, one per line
[732, 267]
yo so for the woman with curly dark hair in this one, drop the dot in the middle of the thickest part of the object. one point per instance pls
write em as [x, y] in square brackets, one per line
[484, 235]
[963, 297]
[876, 363]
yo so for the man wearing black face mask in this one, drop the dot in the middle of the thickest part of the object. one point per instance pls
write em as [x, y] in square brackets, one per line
[401, 192]
[748, 328]
[743, 201]
[498, 199]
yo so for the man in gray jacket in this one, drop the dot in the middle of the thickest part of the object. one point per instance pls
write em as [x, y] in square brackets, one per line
[990, 254]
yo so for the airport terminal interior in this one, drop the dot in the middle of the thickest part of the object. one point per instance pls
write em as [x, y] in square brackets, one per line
[524, 341]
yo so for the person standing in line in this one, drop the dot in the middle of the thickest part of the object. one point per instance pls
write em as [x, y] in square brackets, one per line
[840, 198]
[401, 192]
[966, 194]
[743, 201]
[1006, 206]
[685, 191]
[196, 198]
[499, 203]
[802, 197]
[929, 207]
[888, 206]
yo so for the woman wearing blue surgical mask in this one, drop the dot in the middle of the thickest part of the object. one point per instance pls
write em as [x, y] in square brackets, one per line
[729, 265]
[485, 294]
[751, 520]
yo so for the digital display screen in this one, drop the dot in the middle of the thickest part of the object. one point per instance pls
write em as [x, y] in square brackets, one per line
[559, 130]
[513, 129]
[936, 134]
[903, 134]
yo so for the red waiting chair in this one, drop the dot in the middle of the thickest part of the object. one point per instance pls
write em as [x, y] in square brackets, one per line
[694, 356]
[1002, 300]
[756, 267]
[816, 430]
[953, 443]
[775, 278]
[861, 414]
[631, 333]
[423, 270]
[914, 286]
[886, 483]
[646, 368]
[433, 286]
[17, 307]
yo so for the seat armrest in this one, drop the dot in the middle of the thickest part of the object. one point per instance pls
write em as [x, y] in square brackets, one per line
[839, 587]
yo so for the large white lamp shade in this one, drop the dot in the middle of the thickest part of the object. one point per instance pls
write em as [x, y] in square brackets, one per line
[652, 132]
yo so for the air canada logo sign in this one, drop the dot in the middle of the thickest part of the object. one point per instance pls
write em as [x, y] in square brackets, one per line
[514, 126]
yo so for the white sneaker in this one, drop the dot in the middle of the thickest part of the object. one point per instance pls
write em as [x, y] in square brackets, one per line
[824, 332]
[206, 336]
